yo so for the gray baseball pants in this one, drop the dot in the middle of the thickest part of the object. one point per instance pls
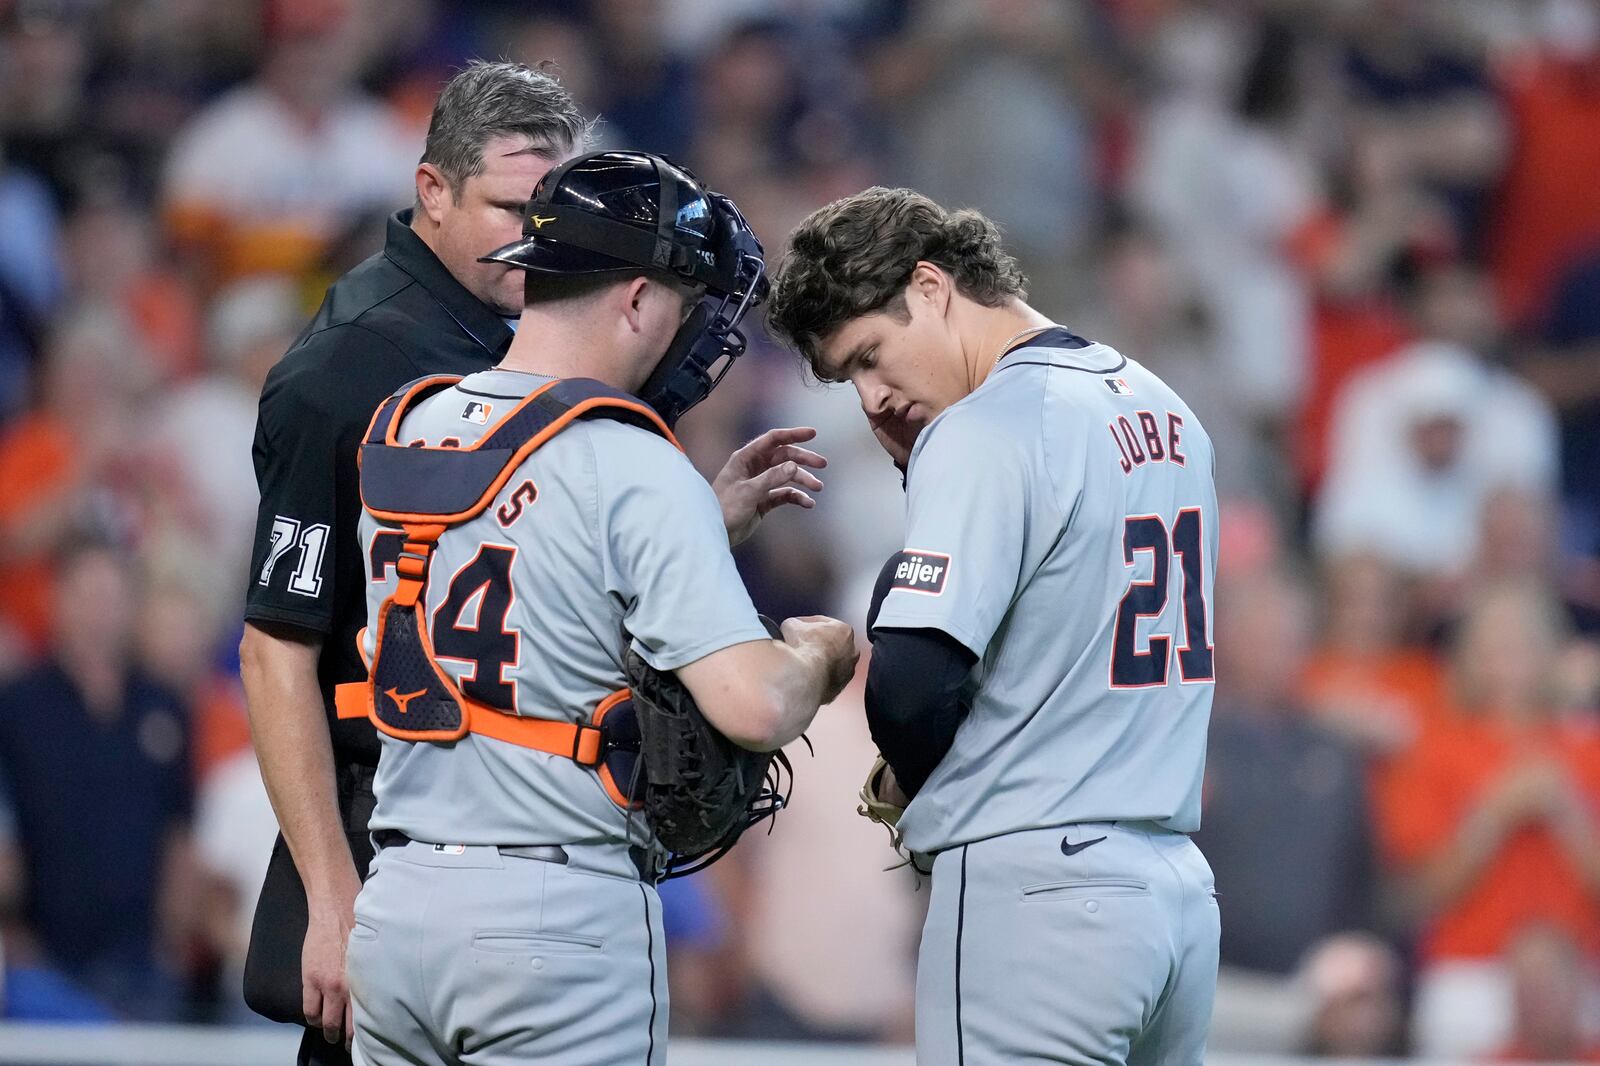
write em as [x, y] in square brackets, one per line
[1041, 947]
[474, 956]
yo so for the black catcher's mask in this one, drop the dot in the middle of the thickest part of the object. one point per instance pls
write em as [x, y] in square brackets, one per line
[609, 212]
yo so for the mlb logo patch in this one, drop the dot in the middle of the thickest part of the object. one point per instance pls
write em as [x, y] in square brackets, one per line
[477, 413]
[449, 849]
[921, 571]
[1119, 386]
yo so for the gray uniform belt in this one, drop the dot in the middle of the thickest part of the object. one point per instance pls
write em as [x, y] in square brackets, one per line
[391, 838]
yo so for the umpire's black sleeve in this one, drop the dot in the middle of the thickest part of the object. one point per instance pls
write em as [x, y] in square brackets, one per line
[291, 576]
[315, 405]
[913, 699]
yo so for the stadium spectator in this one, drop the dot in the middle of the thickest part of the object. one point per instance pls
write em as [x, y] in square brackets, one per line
[212, 490]
[1222, 177]
[1252, 538]
[1356, 1004]
[10, 874]
[97, 757]
[942, 81]
[1373, 216]
[1547, 211]
[1564, 362]
[234, 828]
[647, 93]
[31, 281]
[702, 960]
[1367, 680]
[30, 989]
[44, 56]
[1553, 998]
[115, 264]
[1517, 541]
[1417, 82]
[1281, 793]
[267, 177]
[568, 50]
[154, 65]
[68, 461]
[1490, 822]
[1419, 443]
[748, 94]
[179, 638]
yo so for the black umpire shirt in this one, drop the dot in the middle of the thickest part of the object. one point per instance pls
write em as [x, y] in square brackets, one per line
[398, 316]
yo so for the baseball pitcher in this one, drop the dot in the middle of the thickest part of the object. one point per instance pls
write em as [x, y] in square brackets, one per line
[1041, 671]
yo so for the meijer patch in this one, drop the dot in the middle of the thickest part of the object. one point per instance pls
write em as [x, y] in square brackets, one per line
[921, 571]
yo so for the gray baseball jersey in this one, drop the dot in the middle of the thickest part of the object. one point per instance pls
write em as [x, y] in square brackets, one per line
[605, 527]
[475, 941]
[1061, 523]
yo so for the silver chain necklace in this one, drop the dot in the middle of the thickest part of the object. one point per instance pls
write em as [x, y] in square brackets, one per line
[1006, 347]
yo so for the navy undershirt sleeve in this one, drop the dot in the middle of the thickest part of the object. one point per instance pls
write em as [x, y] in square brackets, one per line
[913, 699]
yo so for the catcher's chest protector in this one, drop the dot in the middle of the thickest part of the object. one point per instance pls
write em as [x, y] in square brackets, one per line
[426, 490]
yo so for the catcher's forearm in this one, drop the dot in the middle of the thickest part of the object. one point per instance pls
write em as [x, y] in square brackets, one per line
[760, 694]
[292, 744]
[798, 691]
[913, 699]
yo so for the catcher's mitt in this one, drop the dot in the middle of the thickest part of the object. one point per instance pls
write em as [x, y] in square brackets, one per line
[699, 789]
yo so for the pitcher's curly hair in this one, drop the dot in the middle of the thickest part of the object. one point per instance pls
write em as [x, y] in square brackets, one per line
[855, 256]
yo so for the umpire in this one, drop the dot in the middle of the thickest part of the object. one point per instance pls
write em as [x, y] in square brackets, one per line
[424, 305]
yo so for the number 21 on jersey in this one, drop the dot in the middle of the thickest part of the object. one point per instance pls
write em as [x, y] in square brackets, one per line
[1150, 666]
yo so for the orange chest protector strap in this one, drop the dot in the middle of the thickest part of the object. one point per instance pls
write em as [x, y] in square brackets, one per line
[425, 491]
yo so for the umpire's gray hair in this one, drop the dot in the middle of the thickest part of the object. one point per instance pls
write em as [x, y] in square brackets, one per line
[488, 100]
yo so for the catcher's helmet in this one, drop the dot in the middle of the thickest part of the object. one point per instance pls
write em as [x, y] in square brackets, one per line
[630, 211]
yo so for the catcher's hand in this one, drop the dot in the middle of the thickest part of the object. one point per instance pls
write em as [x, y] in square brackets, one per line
[764, 474]
[882, 801]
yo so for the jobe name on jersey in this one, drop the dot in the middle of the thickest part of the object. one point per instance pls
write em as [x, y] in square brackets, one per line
[1150, 442]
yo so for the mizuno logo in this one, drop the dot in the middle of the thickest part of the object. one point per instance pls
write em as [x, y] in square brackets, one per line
[539, 220]
[401, 699]
[1073, 849]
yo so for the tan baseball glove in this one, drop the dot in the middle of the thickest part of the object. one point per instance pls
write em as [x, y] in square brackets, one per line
[882, 801]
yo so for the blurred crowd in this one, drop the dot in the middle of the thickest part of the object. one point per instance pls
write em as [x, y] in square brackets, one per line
[1360, 237]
